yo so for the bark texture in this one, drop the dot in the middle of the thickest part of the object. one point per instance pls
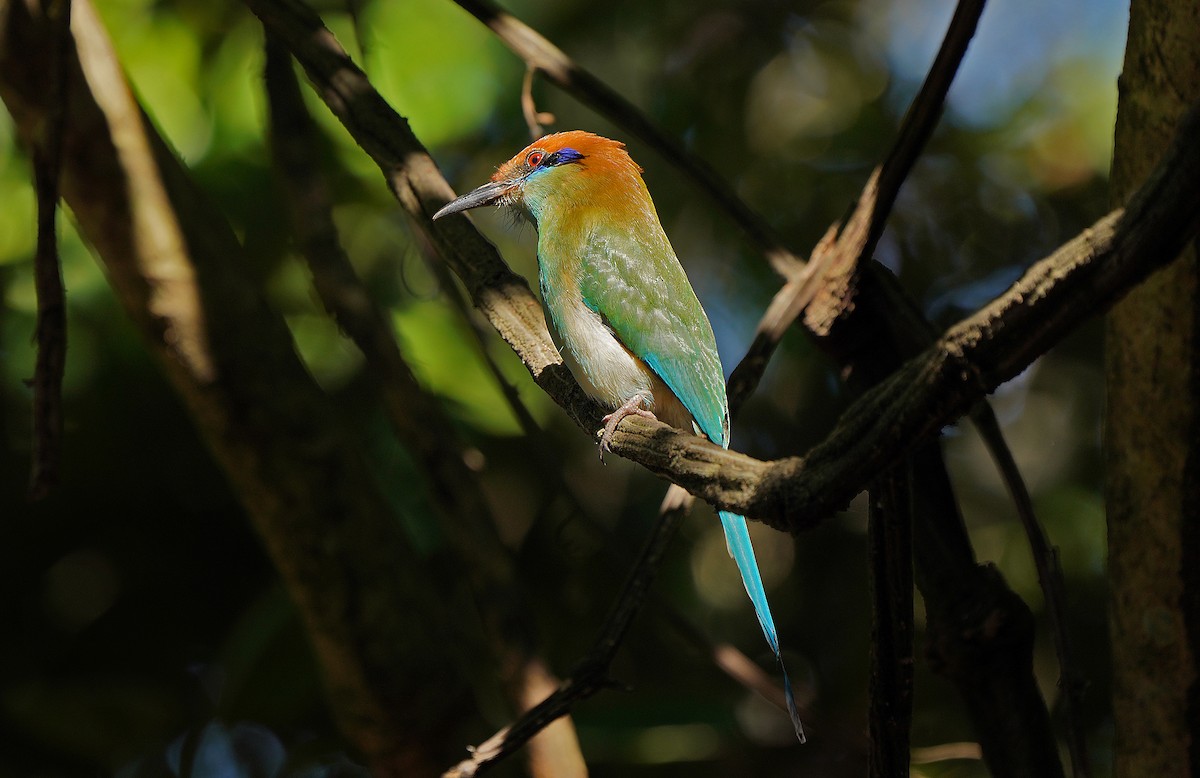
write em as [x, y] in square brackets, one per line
[1153, 428]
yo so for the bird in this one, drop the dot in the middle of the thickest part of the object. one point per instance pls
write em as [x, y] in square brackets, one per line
[620, 307]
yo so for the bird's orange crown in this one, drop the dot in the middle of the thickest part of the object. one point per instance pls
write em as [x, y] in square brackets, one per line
[592, 152]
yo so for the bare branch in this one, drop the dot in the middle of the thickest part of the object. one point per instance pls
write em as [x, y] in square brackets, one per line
[543, 56]
[178, 270]
[416, 416]
[1050, 576]
[891, 582]
[591, 674]
[51, 332]
[823, 291]
[1078, 281]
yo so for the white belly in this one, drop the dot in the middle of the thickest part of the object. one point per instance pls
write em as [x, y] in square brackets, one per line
[605, 368]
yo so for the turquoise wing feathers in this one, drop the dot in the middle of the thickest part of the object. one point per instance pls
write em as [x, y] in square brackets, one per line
[612, 286]
[644, 296]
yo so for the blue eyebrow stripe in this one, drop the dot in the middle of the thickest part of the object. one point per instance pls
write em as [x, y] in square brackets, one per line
[562, 157]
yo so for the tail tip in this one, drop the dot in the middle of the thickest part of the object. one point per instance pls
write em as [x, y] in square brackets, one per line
[793, 712]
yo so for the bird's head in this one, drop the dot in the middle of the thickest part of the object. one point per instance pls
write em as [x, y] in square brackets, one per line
[559, 172]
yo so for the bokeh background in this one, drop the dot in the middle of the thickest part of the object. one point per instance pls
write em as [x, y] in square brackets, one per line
[137, 605]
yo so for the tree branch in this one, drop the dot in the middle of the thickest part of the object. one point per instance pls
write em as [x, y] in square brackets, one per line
[1050, 577]
[177, 268]
[416, 416]
[1079, 280]
[891, 583]
[51, 332]
[542, 55]
[591, 674]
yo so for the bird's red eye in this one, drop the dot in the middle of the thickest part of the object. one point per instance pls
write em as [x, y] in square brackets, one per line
[535, 158]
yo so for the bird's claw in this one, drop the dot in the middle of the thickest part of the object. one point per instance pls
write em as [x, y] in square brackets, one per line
[632, 407]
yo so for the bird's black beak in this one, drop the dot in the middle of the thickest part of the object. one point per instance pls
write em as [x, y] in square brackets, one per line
[484, 195]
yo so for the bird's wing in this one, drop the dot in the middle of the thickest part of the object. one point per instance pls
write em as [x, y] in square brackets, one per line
[638, 286]
[634, 281]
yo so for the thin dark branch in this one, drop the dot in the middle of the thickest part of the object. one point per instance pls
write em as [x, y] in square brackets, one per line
[414, 413]
[926, 108]
[826, 280]
[416, 416]
[178, 270]
[978, 633]
[542, 55]
[1050, 576]
[354, 11]
[51, 332]
[1078, 281]
[891, 577]
[480, 334]
[591, 674]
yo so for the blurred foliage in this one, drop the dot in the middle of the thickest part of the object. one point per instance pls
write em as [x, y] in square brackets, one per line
[141, 606]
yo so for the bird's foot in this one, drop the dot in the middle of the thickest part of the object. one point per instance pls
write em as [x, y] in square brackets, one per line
[632, 407]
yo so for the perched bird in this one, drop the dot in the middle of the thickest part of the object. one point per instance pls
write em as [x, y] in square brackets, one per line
[620, 307]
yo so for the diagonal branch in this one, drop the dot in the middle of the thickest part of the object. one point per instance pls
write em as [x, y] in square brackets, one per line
[1050, 577]
[177, 268]
[1078, 281]
[416, 416]
[591, 674]
[542, 55]
[823, 290]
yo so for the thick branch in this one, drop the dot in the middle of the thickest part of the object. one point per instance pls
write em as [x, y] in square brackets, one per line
[177, 268]
[452, 488]
[1079, 280]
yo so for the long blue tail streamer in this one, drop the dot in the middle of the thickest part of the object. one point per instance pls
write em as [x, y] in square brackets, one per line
[737, 536]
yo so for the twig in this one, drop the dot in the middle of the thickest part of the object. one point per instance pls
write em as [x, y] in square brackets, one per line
[945, 752]
[51, 328]
[415, 415]
[479, 333]
[591, 675]
[534, 119]
[542, 55]
[822, 290]
[1078, 281]
[177, 268]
